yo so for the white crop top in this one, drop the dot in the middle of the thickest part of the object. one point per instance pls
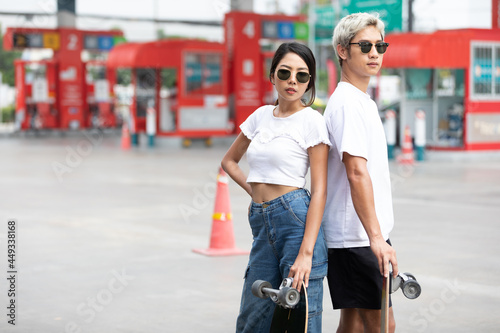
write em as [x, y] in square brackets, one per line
[278, 151]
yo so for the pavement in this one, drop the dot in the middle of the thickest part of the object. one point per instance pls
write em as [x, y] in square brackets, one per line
[105, 237]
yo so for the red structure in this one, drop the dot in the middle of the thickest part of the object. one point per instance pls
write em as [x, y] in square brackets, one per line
[100, 82]
[55, 94]
[196, 105]
[217, 86]
[36, 101]
[455, 77]
[251, 40]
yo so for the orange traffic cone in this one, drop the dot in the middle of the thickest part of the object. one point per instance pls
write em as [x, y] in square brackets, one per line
[406, 156]
[125, 137]
[222, 237]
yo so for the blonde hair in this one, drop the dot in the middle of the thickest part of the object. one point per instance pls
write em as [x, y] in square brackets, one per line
[349, 27]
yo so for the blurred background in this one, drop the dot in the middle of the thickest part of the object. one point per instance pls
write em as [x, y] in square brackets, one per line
[442, 64]
[115, 116]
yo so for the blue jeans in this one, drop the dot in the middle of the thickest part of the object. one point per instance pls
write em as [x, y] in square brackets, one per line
[278, 228]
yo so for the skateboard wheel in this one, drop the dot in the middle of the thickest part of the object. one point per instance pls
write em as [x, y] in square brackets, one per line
[288, 297]
[258, 288]
[396, 283]
[411, 289]
[410, 276]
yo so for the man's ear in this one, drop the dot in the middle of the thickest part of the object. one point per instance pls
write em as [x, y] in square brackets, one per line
[342, 52]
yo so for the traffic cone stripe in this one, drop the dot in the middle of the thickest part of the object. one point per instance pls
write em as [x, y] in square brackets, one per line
[222, 179]
[222, 216]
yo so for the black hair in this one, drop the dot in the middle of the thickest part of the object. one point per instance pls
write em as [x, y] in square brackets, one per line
[303, 52]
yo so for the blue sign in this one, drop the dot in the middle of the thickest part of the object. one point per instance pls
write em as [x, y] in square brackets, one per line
[105, 42]
[286, 30]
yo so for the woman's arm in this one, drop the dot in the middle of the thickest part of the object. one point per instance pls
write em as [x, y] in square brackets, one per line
[301, 269]
[232, 158]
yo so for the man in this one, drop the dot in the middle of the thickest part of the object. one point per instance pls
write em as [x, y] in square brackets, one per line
[358, 213]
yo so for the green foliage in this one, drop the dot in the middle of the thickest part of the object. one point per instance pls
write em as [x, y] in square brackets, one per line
[322, 80]
[160, 34]
[124, 76]
[168, 77]
[8, 113]
[7, 63]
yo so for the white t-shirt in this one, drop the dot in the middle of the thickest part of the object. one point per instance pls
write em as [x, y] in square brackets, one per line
[355, 127]
[278, 151]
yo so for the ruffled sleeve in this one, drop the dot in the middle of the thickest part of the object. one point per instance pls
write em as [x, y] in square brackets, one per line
[316, 131]
[249, 126]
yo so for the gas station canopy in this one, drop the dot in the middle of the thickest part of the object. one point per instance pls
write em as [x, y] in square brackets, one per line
[440, 49]
[454, 77]
[155, 54]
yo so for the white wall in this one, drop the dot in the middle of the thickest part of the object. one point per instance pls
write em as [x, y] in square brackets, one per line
[7, 95]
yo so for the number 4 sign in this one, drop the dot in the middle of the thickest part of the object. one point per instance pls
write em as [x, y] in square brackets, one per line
[249, 29]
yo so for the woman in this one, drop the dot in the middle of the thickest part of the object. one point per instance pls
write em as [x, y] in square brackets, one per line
[281, 142]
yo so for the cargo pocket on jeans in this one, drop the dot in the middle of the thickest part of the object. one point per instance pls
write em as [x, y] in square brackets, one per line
[298, 210]
[319, 271]
[246, 272]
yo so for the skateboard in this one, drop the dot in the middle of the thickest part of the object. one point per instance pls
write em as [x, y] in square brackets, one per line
[410, 288]
[291, 312]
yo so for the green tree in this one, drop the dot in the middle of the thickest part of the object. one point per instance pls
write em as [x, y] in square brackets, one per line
[7, 63]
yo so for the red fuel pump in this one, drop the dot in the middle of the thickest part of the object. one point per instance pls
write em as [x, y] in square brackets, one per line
[53, 93]
[36, 84]
[100, 95]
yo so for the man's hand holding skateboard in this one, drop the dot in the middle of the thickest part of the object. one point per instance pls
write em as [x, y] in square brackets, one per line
[385, 254]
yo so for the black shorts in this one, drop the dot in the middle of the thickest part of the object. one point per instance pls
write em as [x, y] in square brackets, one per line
[354, 278]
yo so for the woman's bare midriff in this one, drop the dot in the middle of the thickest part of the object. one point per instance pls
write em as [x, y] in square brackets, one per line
[266, 192]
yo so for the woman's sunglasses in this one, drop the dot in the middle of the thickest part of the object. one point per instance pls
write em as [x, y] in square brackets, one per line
[284, 74]
[366, 47]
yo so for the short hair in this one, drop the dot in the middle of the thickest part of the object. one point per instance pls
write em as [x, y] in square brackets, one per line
[306, 54]
[350, 25]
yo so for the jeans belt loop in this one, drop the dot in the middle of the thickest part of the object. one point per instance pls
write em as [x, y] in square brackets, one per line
[284, 203]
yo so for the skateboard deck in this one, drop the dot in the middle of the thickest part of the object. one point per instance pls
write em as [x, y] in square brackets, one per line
[384, 322]
[410, 288]
[286, 320]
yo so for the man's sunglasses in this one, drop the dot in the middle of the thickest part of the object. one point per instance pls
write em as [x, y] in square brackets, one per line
[284, 74]
[366, 47]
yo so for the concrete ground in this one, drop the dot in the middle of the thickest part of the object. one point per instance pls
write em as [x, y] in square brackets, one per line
[105, 237]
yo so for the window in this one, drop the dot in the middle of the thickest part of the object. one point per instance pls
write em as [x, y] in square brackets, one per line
[145, 90]
[497, 71]
[485, 71]
[203, 72]
[419, 83]
[450, 82]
